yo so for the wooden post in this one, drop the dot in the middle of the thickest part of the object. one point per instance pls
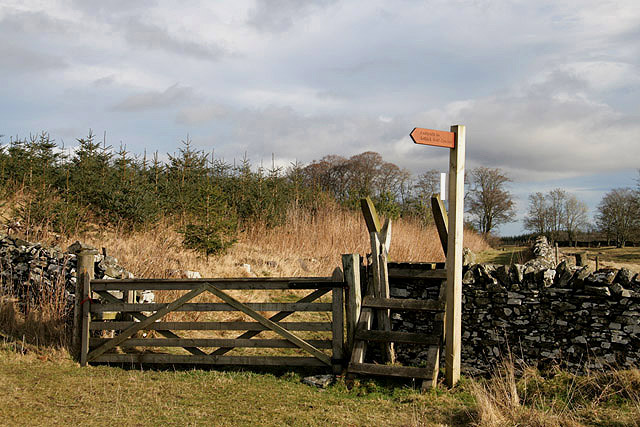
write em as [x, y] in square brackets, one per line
[337, 323]
[84, 274]
[351, 267]
[453, 318]
[440, 219]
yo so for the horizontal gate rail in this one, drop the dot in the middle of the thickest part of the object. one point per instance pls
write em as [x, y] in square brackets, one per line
[140, 317]
[211, 306]
[211, 360]
[212, 326]
[210, 342]
[222, 284]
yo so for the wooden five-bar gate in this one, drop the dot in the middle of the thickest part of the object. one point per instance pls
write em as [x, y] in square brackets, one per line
[108, 296]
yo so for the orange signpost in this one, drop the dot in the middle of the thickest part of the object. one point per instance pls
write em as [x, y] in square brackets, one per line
[455, 140]
[438, 138]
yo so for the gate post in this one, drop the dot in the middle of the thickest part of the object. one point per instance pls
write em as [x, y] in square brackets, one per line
[337, 322]
[84, 274]
[453, 317]
[351, 267]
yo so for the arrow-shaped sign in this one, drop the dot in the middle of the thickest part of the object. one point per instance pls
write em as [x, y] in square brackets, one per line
[438, 138]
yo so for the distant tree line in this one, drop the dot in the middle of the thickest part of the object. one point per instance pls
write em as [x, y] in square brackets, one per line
[208, 197]
[561, 216]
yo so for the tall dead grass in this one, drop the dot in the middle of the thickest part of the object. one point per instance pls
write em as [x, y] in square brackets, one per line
[304, 245]
[558, 398]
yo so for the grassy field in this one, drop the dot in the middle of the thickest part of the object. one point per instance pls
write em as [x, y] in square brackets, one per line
[45, 387]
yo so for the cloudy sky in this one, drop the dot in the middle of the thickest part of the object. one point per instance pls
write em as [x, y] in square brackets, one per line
[549, 91]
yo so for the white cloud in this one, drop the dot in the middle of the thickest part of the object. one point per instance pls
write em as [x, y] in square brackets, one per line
[173, 95]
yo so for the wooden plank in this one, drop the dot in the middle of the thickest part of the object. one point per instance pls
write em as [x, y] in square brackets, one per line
[385, 236]
[398, 337]
[211, 326]
[209, 360]
[225, 284]
[453, 322]
[433, 363]
[267, 306]
[389, 370]
[210, 342]
[162, 331]
[403, 304]
[351, 267]
[275, 318]
[385, 314]
[405, 273]
[359, 347]
[370, 215]
[127, 333]
[270, 324]
[85, 272]
[440, 219]
[337, 320]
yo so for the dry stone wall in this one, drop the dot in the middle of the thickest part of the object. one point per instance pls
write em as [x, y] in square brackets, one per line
[32, 274]
[542, 314]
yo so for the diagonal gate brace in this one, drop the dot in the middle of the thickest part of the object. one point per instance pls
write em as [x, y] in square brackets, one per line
[167, 334]
[275, 318]
[269, 324]
[127, 333]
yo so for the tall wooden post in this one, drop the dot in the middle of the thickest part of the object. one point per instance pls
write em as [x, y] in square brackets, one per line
[351, 268]
[453, 318]
[84, 274]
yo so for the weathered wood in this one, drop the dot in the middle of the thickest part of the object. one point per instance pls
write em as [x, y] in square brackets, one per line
[403, 304]
[385, 314]
[209, 360]
[397, 337]
[433, 363]
[359, 347]
[210, 326]
[453, 322]
[164, 332]
[210, 342]
[127, 333]
[81, 318]
[337, 320]
[224, 284]
[385, 236]
[389, 370]
[85, 277]
[200, 306]
[351, 267]
[440, 219]
[268, 323]
[370, 215]
[276, 317]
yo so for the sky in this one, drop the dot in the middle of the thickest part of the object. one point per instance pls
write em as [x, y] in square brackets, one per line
[548, 91]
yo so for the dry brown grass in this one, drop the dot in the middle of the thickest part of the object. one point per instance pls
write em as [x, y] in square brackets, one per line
[304, 245]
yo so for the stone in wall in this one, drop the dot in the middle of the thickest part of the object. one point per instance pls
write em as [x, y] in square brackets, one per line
[542, 314]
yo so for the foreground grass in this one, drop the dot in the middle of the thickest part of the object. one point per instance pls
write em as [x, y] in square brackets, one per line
[43, 390]
[45, 387]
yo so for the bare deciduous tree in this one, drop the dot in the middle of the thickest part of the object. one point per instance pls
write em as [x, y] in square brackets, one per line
[489, 203]
[619, 215]
[575, 217]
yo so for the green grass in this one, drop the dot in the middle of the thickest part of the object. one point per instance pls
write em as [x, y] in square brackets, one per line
[505, 255]
[45, 387]
[42, 390]
[609, 254]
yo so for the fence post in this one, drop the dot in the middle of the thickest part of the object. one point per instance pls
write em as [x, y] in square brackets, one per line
[351, 267]
[453, 317]
[337, 322]
[84, 274]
